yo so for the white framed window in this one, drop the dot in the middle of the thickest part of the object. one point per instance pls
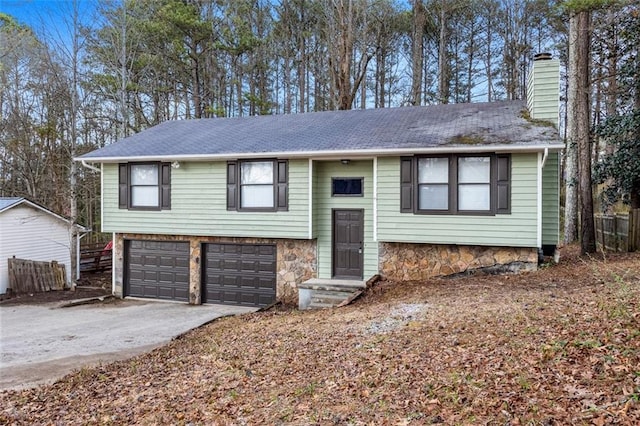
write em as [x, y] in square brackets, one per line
[433, 183]
[145, 185]
[456, 184]
[256, 185]
[474, 184]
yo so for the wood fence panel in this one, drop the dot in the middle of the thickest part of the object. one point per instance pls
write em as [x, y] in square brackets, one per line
[29, 276]
[619, 232]
[634, 230]
[95, 258]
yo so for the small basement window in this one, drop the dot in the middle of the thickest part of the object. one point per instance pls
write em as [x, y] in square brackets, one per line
[347, 187]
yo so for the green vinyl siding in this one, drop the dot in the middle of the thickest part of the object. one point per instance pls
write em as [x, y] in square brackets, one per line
[198, 206]
[324, 204]
[551, 200]
[517, 229]
[543, 91]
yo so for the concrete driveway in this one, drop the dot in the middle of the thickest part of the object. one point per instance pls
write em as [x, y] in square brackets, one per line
[42, 343]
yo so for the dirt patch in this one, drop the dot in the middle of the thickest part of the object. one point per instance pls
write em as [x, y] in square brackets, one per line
[556, 346]
[90, 285]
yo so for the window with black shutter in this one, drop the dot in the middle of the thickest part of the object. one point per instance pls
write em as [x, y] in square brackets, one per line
[144, 186]
[472, 184]
[257, 185]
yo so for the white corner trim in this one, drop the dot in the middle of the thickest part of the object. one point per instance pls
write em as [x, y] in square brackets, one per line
[102, 199]
[310, 189]
[375, 199]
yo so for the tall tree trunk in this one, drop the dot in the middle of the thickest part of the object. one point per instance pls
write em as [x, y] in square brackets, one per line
[571, 166]
[73, 172]
[417, 49]
[581, 61]
[443, 58]
[302, 63]
[635, 189]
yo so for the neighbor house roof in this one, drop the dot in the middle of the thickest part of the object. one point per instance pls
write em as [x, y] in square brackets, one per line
[476, 127]
[7, 203]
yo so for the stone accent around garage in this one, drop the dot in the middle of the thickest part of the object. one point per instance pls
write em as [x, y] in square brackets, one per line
[407, 262]
[296, 262]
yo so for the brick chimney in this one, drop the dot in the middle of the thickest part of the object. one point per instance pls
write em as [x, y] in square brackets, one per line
[543, 88]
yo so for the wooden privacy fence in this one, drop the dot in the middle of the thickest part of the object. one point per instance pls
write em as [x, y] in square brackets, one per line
[618, 232]
[29, 276]
[95, 257]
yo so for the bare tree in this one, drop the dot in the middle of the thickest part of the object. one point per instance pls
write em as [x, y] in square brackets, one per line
[347, 38]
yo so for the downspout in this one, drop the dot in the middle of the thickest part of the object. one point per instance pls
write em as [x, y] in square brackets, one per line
[90, 167]
[310, 204]
[113, 265]
[78, 254]
[95, 169]
[544, 158]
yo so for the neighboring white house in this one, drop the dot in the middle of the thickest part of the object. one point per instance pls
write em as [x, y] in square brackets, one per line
[30, 231]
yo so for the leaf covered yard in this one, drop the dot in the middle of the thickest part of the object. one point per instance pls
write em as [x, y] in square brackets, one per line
[556, 346]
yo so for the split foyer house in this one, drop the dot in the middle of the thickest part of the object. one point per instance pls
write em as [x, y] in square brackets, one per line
[246, 210]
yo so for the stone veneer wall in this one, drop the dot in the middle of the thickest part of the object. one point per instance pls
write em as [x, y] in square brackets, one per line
[296, 262]
[403, 261]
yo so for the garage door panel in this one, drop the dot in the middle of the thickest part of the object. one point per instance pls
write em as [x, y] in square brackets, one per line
[157, 270]
[240, 274]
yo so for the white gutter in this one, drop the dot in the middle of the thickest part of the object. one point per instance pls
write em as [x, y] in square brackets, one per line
[310, 189]
[375, 199]
[328, 154]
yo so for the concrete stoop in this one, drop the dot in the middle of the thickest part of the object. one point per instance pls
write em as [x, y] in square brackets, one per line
[318, 293]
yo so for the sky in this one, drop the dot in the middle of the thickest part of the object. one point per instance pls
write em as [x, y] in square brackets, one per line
[49, 17]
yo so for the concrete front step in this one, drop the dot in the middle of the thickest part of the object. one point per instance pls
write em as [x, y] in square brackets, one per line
[323, 293]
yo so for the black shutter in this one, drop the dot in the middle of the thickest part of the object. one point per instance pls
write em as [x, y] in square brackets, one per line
[232, 185]
[123, 186]
[503, 184]
[165, 186]
[282, 186]
[406, 185]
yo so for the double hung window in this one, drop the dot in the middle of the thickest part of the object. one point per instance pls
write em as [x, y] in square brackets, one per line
[144, 186]
[455, 184]
[258, 185]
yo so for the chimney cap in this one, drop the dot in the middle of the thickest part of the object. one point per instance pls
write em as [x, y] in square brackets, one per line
[542, 56]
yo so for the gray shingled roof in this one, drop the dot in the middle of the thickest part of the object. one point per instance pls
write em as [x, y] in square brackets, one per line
[386, 129]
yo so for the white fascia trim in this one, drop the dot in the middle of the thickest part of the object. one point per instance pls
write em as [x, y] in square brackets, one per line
[330, 155]
[375, 199]
[539, 201]
[310, 198]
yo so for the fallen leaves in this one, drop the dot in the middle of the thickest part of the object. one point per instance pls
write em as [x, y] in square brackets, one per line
[558, 346]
